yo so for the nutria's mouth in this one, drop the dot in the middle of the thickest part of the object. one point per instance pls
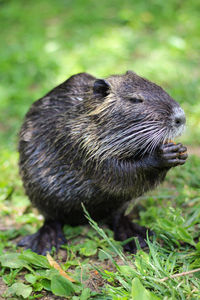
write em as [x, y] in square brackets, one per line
[168, 141]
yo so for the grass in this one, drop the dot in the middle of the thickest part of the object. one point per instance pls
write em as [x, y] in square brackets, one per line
[44, 42]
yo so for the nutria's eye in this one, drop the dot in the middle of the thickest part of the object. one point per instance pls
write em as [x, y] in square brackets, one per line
[135, 100]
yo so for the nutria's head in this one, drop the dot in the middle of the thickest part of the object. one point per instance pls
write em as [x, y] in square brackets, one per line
[129, 115]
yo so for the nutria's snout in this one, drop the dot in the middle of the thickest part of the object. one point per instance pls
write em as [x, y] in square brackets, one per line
[178, 121]
[178, 117]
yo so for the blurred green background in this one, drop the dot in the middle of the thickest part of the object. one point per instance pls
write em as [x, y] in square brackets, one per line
[44, 42]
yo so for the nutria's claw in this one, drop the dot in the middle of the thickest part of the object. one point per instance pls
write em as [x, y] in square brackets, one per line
[171, 155]
[48, 236]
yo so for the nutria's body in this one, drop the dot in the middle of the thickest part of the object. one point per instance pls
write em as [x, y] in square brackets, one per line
[99, 142]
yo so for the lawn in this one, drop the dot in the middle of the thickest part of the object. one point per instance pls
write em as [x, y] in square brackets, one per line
[43, 43]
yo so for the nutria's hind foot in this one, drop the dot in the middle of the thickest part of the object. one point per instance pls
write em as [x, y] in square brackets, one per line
[124, 229]
[48, 236]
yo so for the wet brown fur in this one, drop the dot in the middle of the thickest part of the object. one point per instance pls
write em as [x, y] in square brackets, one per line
[79, 146]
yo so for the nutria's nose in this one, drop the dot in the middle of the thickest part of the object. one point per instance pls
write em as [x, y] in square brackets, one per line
[179, 117]
[180, 121]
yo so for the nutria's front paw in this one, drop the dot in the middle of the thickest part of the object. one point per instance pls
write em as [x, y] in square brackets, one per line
[172, 155]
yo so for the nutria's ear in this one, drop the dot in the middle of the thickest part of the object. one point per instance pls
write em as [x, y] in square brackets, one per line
[129, 72]
[101, 88]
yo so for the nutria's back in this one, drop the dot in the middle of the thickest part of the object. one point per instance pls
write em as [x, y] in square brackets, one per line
[93, 141]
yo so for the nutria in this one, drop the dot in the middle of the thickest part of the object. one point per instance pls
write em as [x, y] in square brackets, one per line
[100, 142]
